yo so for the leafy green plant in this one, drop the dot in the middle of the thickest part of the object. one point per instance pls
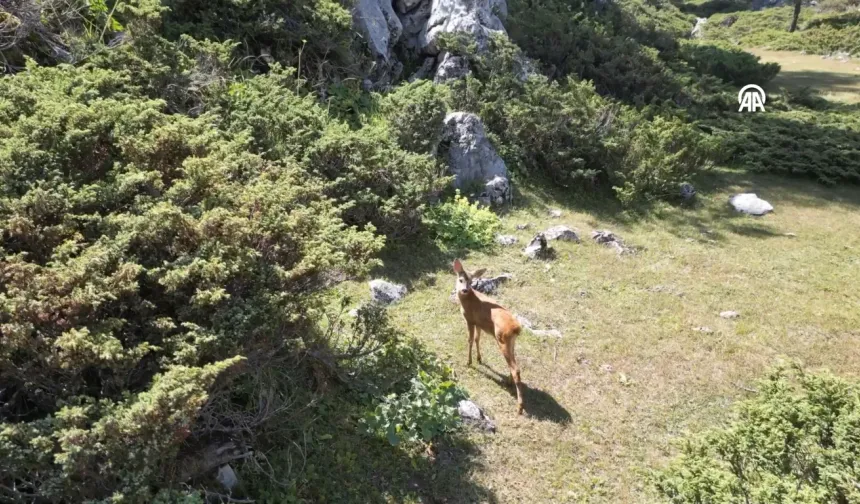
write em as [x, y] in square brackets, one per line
[796, 441]
[459, 224]
[427, 410]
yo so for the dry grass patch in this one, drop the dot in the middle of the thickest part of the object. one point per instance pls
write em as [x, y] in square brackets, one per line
[835, 79]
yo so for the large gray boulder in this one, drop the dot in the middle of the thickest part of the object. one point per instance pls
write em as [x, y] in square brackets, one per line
[476, 18]
[471, 156]
[378, 24]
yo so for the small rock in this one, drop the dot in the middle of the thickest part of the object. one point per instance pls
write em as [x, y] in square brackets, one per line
[470, 410]
[729, 20]
[749, 203]
[489, 285]
[791, 235]
[385, 292]
[471, 414]
[227, 477]
[537, 248]
[609, 239]
[603, 237]
[498, 190]
[562, 233]
[687, 191]
[555, 213]
[703, 329]
[730, 314]
[506, 240]
[522, 227]
[607, 368]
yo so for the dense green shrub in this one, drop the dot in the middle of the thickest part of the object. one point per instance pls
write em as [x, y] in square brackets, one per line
[658, 156]
[817, 33]
[820, 144]
[796, 441]
[315, 35]
[373, 179]
[415, 112]
[460, 225]
[142, 255]
[728, 63]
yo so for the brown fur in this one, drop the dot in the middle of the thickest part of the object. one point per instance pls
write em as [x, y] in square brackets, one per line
[484, 314]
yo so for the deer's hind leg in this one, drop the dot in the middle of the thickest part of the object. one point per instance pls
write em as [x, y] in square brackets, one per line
[507, 346]
[478, 342]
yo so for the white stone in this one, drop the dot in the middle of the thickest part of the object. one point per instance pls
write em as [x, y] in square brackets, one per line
[750, 203]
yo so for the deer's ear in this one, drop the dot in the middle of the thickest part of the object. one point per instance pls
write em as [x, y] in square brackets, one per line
[479, 273]
[458, 267]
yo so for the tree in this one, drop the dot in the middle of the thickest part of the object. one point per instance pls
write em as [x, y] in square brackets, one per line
[795, 16]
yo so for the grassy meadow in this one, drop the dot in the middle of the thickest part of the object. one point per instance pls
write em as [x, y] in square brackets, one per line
[644, 356]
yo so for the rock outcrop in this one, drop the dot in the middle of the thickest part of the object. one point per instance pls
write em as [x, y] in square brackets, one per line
[476, 18]
[379, 25]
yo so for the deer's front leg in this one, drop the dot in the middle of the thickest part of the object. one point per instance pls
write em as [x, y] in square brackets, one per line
[471, 329]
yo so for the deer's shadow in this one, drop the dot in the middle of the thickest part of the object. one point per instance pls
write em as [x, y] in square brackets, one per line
[536, 403]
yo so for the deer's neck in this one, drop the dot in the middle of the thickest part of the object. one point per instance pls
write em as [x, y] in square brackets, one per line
[469, 298]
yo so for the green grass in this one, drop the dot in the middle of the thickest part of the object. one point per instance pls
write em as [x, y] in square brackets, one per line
[630, 374]
[834, 79]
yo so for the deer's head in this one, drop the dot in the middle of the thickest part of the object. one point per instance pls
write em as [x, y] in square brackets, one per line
[463, 285]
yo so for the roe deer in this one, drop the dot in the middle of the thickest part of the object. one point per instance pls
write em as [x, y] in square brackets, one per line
[484, 314]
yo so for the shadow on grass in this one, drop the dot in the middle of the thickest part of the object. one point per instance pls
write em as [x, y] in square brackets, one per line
[337, 463]
[537, 403]
[833, 82]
